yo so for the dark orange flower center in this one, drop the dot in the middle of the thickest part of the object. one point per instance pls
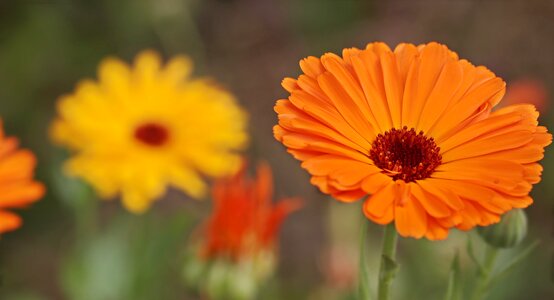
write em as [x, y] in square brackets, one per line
[405, 155]
[152, 134]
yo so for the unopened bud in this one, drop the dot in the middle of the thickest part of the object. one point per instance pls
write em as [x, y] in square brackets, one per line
[509, 232]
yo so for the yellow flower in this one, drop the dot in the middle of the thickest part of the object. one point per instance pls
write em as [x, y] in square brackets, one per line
[140, 129]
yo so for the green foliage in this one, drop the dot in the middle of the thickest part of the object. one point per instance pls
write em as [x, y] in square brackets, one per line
[132, 258]
[455, 285]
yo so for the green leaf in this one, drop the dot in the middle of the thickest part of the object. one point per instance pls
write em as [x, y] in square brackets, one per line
[390, 265]
[364, 289]
[454, 289]
[510, 266]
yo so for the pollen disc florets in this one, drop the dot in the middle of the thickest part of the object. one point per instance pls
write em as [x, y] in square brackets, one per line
[152, 134]
[405, 155]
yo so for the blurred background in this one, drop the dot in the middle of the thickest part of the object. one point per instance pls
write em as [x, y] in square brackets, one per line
[248, 46]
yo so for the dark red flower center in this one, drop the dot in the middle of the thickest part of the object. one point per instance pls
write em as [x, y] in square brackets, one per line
[152, 134]
[405, 155]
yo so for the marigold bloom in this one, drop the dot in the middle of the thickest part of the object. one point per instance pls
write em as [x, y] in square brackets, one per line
[413, 128]
[17, 187]
[142, 128]
[244, 221]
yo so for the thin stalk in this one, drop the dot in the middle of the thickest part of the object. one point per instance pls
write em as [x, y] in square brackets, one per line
[484, 275]
[388, 266]
[86, 215]
[364, 290]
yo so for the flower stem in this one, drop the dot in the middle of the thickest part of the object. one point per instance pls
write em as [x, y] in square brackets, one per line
[364, 290]
[388, 266]
[86, 214]
[484, 275]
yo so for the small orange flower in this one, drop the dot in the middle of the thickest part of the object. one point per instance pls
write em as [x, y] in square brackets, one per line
[17, 188]
[244, 221]
[527, 90]
[413, 128]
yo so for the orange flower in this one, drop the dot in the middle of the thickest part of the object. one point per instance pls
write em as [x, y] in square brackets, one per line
[16, 181]
[527, 90]
[244, 221]
[413, 128]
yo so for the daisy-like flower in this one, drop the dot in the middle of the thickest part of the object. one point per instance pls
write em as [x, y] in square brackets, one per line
[140, 129]
[17, 187]
[236, 249]
[414, 129]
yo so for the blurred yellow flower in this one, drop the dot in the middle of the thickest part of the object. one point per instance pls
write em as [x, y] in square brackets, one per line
[139, 129]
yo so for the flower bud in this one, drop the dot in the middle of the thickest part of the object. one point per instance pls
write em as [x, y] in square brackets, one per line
[232, 280]
[217, 282]
[508, 233]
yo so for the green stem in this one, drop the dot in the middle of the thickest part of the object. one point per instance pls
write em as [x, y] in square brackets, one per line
[387, 269]
[86, 214]
[364, 290]
[484, 275]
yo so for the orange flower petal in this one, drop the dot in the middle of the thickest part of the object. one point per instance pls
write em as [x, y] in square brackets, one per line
[435, 231]
[532, 173]
[311, 66]
[244, 221]
[345, 106]
[439, 189]
[295, 120]
[328, 164]
[375, 182]
[9, 221]
[355, 93]
[405, 56]
[366, 66]
[349, 196]
[20, 194]
[410, 219]
[489, 145]
[316, 144]
[289, 84]
[490, 172]
[467, 106]
[440, 97]
[433, 205]
[380, 206]
[480, 128]
[394, 89]
[433, 58]
[8, 145]
[325, 113]
[17, 188]
[18, 166]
